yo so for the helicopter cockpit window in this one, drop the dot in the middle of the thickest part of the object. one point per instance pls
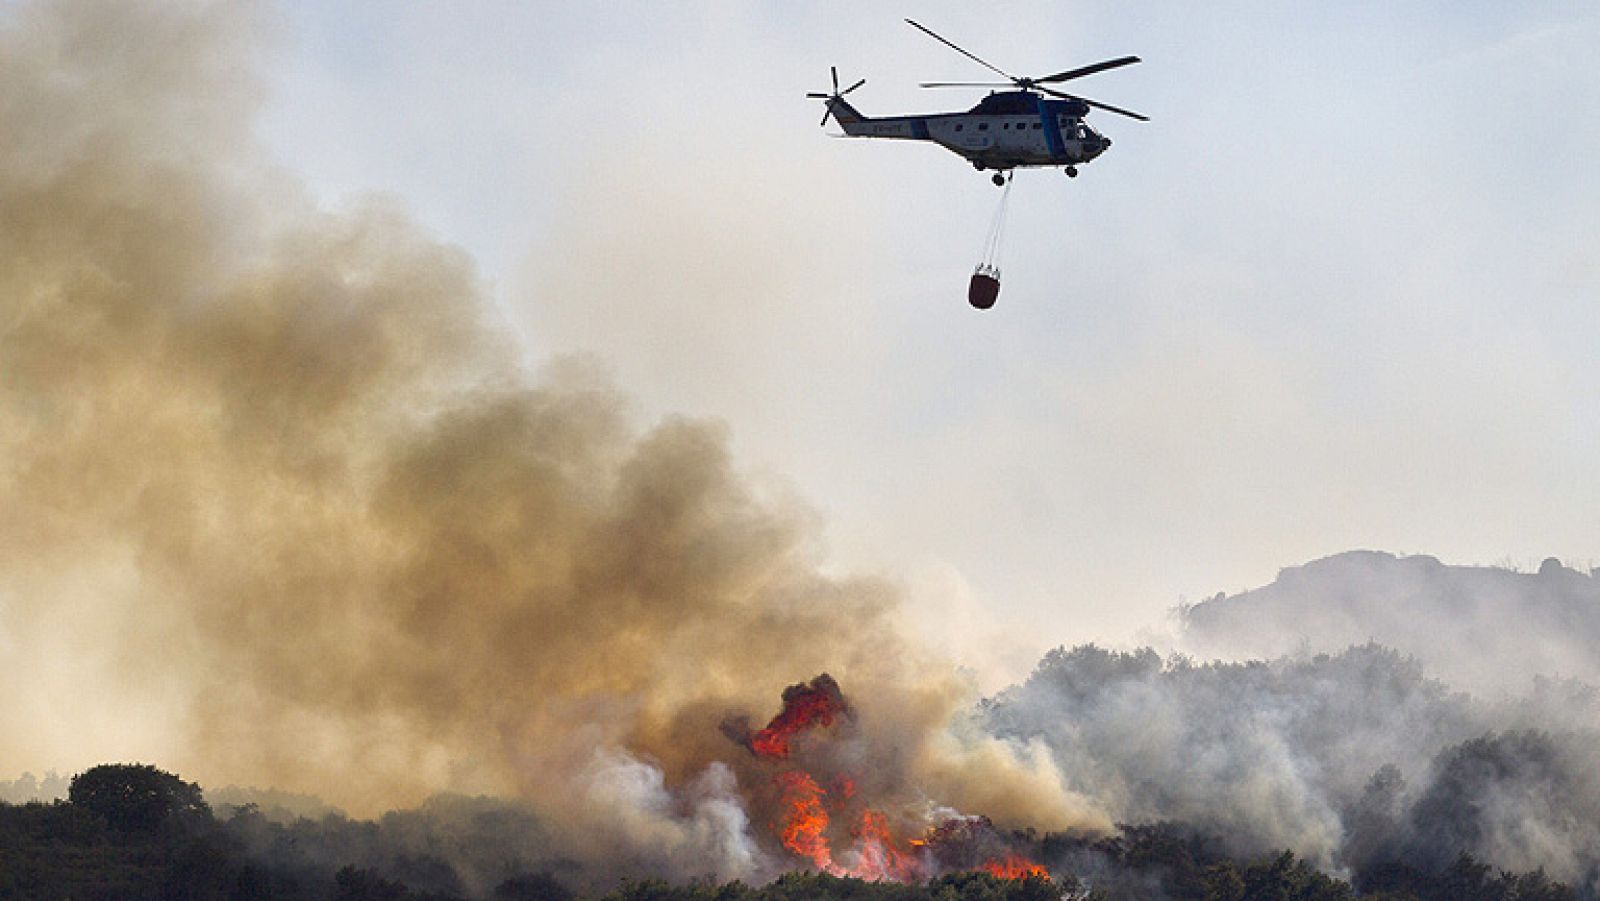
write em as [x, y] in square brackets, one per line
[1082, 133]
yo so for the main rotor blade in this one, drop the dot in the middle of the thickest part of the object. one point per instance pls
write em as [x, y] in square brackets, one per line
[817, 96]
[1088, 70]
[964, 53]
[853, 87]
[967, 84]
[1098, 105]
[834, 71]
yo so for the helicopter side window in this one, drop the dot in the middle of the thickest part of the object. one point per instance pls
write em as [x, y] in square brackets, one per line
[983, 126]
[959, 126]
[1035, 126]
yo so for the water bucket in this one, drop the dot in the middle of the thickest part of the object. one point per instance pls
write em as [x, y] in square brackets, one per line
[984, 288]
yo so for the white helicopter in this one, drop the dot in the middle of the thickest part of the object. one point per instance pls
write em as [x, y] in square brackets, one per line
[1006, 130]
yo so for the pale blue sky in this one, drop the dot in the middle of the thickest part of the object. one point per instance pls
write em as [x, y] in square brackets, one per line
[1339, 292]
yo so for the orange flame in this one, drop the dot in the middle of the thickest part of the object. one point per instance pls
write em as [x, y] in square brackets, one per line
[804, 706]
[845, 787]
[806, 809]
[1014, 866]
[804, 832]
[877, 858]
[805, 821]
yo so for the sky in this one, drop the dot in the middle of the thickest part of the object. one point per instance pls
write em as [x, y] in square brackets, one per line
[1338, 293]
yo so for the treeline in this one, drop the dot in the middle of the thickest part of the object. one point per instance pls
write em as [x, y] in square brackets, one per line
[1176, 861]
[131, 831]
[135, 832]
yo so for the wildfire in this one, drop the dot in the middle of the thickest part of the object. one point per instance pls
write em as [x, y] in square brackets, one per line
[807, 811]
[805, 820]
[804, 828]
[1014, 866]
[816, 704]
[877, 858]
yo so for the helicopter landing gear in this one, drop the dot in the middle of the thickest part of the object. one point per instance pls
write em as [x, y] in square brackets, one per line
[1072, 171]
[999, 179]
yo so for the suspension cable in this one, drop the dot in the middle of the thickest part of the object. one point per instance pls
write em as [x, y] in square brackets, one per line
[997, 229]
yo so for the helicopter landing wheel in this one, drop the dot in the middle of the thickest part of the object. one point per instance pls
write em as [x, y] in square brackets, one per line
[977, 165]
[998, 179]
[1072, 171]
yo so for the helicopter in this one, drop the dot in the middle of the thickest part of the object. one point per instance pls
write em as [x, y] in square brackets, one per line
[1031, 126]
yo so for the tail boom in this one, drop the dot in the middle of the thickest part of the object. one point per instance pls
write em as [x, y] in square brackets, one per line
[906, 128]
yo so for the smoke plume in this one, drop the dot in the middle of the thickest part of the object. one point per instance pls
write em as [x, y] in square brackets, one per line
[1357, 761]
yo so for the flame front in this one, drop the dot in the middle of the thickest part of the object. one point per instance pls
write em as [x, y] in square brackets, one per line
[807, 811]
[1014, 866]
[805, 821]
[877, 858]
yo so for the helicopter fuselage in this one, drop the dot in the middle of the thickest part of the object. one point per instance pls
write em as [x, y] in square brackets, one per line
[1008, 129]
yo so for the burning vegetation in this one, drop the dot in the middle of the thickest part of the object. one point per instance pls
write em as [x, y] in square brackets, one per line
[829, 825]
[817, 704]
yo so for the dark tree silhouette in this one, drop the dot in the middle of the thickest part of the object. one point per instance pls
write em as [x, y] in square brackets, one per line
[137, 797]
[353, 884]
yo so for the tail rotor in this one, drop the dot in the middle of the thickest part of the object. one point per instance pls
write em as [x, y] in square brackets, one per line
[836, 95]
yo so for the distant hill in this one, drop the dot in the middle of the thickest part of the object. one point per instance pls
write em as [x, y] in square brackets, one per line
[1483, 629]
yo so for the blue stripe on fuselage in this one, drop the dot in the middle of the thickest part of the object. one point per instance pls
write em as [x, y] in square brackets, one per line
[1052, 130]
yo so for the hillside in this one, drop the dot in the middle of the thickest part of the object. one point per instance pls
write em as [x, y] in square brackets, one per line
[1484, 629]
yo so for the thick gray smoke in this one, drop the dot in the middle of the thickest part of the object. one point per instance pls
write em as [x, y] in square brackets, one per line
[1501, 776]
[1354, 760]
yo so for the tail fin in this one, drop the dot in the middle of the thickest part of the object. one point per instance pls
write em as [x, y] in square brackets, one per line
[843, 112]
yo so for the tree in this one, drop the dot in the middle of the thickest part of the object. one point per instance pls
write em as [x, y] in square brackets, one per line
[1222, 882]
[137, 797]
[1286, 879]
[353, 884]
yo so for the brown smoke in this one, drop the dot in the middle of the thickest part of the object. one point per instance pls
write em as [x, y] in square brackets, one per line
[270, 478]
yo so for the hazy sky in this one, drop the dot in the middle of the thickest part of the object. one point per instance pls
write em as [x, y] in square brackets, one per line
[1340, 292]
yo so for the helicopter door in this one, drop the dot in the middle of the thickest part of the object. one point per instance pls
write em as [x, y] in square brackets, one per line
[1052, 133]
